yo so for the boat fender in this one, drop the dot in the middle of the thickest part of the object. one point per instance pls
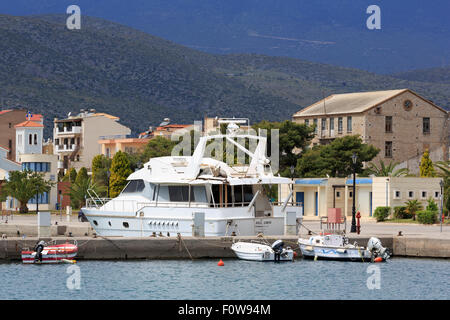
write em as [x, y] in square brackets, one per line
[378, 259]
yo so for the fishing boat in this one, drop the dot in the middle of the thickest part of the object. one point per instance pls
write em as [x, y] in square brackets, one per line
[165, 196]
[57, 253]
[336, 247]
[262, 252]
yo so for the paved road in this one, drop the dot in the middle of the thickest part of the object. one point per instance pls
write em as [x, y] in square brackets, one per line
[369, 228]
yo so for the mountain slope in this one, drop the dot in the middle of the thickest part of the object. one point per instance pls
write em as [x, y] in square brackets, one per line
[414, 33]
[133, 75]
[142, 78]
[436, 75]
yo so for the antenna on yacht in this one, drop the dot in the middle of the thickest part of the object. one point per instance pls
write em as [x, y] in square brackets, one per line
[233, 124]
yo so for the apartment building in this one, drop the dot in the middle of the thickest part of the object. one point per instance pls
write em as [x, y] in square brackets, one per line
[401, 123]
[111, 145]
[76, 137]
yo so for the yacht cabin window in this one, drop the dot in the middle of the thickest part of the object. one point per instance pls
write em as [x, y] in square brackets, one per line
[134, 186]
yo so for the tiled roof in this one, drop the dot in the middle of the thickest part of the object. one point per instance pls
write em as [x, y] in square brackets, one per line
[348, 102]
[4, 111]
[106, 115]
[29, 124]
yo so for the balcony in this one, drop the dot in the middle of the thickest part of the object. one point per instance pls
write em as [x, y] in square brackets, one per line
[65, 148]
[72, 130]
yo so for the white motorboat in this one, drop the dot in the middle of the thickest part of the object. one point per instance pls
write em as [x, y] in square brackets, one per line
[170, 195]
[336, 247]
[262, 252]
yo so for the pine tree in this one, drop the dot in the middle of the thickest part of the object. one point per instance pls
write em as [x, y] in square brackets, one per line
[100, 165]
[120, 170]
[426, 166]
[72, 175]
[82, 175]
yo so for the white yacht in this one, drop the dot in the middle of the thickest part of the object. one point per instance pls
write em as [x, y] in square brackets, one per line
[168, 193]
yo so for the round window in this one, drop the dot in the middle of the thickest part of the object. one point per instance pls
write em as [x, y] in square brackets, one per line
[407, 105]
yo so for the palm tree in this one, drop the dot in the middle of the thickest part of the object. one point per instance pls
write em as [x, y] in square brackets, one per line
[78, 191]
[412, 206]
[444, 166]
[24, 185]
[385, 171]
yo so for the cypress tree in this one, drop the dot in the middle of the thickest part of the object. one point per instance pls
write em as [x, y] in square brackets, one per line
[120, 170]
[426, 166]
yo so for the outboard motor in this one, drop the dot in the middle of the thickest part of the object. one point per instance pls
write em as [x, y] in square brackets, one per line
[38, 248]
[277, 247]
[377, 250]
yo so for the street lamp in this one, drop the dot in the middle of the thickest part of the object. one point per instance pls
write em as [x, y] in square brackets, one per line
[37, 200]
[292, 168]
[441, 183]
[108, 174]
[353, 227]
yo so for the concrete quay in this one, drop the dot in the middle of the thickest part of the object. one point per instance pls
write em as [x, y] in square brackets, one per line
[415, 241]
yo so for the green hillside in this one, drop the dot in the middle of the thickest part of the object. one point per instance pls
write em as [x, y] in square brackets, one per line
[142, 78]
[437, 75]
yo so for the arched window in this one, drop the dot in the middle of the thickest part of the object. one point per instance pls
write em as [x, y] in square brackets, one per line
[30, 139]
[35, 139]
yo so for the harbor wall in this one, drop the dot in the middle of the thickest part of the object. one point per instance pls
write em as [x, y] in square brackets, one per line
[121, 248]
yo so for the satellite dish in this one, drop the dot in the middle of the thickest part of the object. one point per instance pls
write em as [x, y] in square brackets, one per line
[69, 114]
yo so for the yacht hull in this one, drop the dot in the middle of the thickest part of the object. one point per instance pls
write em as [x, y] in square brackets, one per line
[161, 223]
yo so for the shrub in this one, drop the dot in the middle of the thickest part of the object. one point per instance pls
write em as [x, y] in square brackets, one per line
[427, 217]
[432, 205]
[401, 213]
[412, 206]
[381, 213]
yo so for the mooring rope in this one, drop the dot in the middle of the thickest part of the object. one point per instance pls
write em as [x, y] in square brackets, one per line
[181, 239]
[301, 224]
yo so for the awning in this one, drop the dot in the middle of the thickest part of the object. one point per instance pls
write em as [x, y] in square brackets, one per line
[312, 181]
[359, 181]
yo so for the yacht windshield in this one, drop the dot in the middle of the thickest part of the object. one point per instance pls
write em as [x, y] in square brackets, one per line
[134, 186]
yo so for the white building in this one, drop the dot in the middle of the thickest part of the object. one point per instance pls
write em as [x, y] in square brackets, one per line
[29, 136]
[317, 195]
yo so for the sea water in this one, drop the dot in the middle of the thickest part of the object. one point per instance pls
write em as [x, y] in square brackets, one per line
[399, 278]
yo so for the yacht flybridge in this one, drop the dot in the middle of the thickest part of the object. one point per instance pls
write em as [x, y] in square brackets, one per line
[165, 195]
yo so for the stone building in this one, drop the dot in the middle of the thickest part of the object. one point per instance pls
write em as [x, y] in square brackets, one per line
[401, 123]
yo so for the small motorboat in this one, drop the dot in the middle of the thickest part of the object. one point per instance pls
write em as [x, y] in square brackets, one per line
[57, 253]
[336, 247]
[263, 252]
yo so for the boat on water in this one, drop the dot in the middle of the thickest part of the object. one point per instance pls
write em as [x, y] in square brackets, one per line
[56, 253]
[336, 247]
[262, 252]
[165, 196]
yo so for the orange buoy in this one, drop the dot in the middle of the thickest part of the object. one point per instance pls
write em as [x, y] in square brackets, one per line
[295, 254]
[378, 259]
[221, 264]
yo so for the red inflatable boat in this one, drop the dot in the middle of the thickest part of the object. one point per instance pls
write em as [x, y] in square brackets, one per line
[58, 253]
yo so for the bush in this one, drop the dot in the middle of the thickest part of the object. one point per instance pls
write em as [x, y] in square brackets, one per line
[427, 217]
[381, 213]
[432, 205]
[401, 213]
